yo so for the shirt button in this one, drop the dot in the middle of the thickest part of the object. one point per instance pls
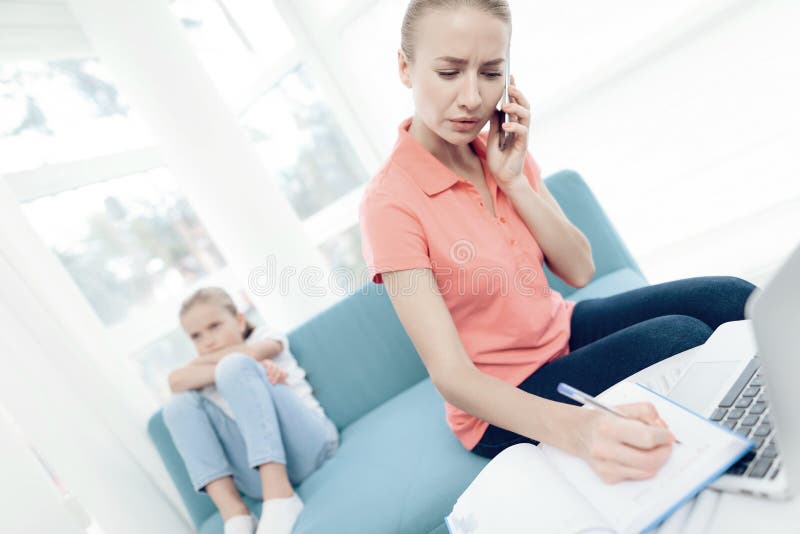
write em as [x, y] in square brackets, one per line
[513, 241]
[503, 220]
[481, 203]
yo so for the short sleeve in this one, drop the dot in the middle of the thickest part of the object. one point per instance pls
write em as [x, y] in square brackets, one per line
[263, 332]
[392, 237]
[532, 171]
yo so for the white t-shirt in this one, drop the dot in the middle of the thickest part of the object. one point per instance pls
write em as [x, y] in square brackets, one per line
[295, 375]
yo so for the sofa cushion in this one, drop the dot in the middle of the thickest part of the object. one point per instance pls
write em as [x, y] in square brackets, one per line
[399, 469]
[359, 345]
[356, 355]
[582, 209]
[610, 284]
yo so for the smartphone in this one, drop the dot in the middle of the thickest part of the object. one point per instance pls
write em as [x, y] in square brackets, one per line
[505, 139]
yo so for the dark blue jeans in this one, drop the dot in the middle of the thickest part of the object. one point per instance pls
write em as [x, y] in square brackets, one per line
[614, 337]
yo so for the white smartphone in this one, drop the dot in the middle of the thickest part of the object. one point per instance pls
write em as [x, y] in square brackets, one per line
[505, 139]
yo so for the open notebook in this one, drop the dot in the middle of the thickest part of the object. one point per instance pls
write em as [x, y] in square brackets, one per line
[542, 489]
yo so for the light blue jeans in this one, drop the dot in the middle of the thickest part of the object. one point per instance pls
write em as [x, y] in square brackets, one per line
[272, 425]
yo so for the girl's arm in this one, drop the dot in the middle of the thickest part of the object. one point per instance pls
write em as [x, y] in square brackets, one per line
[258, 350]
[193, 375]
[199, 372]
[616, 448]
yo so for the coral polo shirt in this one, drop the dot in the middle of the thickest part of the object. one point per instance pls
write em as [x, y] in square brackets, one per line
[417, 214]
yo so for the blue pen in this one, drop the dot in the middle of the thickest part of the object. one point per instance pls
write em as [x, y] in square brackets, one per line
[584, 398]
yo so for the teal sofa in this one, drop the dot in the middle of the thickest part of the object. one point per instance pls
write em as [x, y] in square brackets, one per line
[398, 468]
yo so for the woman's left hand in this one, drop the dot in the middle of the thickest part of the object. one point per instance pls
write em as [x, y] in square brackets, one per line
[506, 165]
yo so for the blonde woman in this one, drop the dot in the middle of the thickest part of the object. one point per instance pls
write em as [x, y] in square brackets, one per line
[459, 230]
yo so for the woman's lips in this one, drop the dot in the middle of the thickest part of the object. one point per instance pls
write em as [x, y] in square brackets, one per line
[464, 126]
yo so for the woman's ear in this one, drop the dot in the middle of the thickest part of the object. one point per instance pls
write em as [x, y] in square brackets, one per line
[241, 322]
[402, 68]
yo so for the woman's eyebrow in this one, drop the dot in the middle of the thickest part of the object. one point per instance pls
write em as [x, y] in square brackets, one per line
[461, 61]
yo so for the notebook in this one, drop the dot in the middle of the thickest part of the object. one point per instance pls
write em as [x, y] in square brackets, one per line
[529, 488]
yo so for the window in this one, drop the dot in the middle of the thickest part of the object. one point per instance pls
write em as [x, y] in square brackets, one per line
[129, 243]
[301, 144]
[62, 111]
[235, 42]
[252, 57]
[343, 252]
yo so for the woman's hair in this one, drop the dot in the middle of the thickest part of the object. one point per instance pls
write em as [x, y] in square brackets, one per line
[214, 295]
[418, 8]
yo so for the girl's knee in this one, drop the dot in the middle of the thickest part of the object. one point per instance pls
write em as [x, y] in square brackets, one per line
[233, 366]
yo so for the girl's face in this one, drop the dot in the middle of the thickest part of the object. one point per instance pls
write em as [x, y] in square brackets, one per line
[212, 327]
[457, 72]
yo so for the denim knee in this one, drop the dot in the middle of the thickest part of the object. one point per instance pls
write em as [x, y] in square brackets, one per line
[232, 367]
[179, 405]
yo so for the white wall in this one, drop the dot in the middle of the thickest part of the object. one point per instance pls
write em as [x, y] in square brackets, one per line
[62, 406]
[207, 152]
[35, 29]
[37, 505]
[682, 116]
[693, 152]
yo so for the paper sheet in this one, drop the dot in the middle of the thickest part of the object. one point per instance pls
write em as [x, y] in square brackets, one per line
[705, 450]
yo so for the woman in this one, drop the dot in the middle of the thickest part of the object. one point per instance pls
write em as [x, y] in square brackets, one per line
[458, 230]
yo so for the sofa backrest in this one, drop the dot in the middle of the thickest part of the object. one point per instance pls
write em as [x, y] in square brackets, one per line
[582, 209]
[356, 355]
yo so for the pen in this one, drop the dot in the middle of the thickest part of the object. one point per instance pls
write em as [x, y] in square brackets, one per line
[584, 398]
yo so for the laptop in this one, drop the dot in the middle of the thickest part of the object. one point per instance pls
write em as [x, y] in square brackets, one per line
[747, 378]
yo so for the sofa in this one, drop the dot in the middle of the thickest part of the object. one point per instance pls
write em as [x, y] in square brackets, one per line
[398, 469]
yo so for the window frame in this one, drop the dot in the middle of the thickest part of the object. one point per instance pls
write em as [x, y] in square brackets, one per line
[158, 320]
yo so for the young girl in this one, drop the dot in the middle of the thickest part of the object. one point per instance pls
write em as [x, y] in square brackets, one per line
[458, 230]
[243, 417]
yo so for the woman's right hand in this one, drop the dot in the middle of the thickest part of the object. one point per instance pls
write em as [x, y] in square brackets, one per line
[619, 449]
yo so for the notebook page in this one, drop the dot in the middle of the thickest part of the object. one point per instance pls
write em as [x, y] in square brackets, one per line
[706, 451]
[519, 492]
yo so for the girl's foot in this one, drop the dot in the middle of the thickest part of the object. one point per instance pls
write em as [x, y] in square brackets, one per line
[240, 524]
[278, 516]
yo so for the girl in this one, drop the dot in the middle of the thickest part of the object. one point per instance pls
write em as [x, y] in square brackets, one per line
[243, 417]
[458, 230]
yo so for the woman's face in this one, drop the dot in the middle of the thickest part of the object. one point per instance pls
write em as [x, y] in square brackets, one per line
[212, 327]
[457, 71]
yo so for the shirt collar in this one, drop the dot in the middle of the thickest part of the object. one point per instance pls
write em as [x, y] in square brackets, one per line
[430, 174]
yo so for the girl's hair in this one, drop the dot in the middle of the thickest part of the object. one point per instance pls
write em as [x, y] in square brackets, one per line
[418, 8]
[214, 295]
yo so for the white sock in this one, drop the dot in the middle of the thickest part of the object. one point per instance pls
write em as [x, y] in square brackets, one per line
[278, 516]
[240, 524]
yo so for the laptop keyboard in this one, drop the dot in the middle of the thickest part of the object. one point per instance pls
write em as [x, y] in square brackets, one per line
[745, 411]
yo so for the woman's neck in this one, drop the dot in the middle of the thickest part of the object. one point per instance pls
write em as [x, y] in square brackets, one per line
[454, 157]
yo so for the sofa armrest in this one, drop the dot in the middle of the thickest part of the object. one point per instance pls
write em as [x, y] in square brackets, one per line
[200, 507]
[584, 211]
